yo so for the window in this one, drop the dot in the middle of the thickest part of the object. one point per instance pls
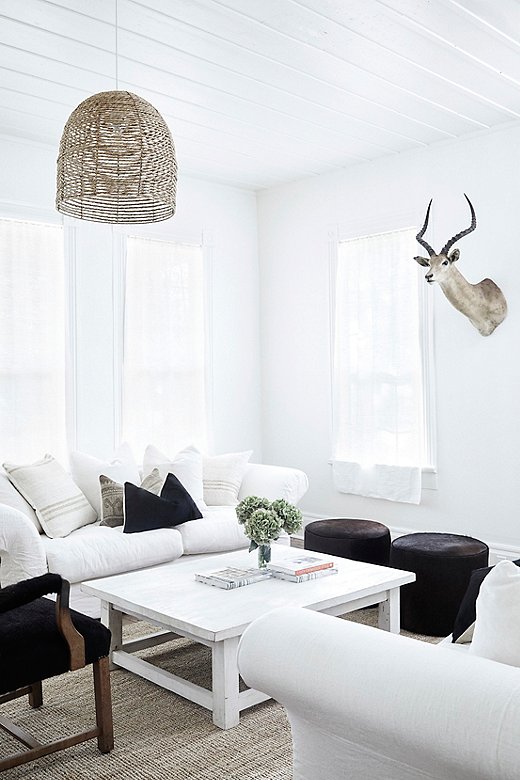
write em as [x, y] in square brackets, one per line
[163, 379]
[380, 366]
[32, 341]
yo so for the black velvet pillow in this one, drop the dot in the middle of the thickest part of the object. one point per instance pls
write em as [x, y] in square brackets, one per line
[144, 511]
[467, 613]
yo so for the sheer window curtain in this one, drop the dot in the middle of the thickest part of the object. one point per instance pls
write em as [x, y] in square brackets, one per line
[32, 341]
[378, 385]
[163, 378]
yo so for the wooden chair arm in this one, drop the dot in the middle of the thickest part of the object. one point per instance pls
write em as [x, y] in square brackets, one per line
[69, 632]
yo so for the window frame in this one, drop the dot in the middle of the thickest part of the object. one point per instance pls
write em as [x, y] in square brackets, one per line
[204, 239]
[369, 227]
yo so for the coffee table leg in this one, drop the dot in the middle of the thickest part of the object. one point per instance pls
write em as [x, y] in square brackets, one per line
[225, 683]
[113, 620]
[389, 612]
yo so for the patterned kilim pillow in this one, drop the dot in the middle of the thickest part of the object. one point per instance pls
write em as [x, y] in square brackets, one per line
[112, 494]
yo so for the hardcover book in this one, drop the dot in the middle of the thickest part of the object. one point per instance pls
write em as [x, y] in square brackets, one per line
[232, 577]
[313, 575]
[300, 564]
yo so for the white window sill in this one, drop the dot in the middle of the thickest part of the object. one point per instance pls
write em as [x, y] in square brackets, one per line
[428, 475]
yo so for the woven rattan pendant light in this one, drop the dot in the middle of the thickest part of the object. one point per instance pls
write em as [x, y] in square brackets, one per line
[116, 161]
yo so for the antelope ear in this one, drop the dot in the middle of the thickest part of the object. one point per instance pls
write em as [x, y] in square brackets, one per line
[422, 261]
[454, 256]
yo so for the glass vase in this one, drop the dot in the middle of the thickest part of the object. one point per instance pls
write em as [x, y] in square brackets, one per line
[264, 555]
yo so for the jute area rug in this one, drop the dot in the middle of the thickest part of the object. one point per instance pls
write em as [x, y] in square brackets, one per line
[158, 735]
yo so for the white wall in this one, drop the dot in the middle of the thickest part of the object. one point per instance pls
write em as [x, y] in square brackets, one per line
[478, 379]
[227, 218]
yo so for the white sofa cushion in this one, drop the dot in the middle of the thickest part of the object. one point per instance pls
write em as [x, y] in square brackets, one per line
[10, 496]
[222, 477]
[218, 530]
[496, 633]
[86, 471]
[98, 551]
[186, 466]
[60, 505]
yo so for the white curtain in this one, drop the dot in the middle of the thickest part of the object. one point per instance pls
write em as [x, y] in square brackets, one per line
[164, 346]
[32, 341]
[378, 414]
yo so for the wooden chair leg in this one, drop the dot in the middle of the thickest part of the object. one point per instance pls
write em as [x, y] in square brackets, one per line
[36, 695]
[103, 699]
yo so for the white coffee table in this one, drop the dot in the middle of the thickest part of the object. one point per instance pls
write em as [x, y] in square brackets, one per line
[169, 597]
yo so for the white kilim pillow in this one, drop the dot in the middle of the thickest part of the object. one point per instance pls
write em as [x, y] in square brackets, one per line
[59, 504]
[222, 476]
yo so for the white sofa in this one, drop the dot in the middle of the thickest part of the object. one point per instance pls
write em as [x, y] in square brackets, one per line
[364, 704]
[98, 551]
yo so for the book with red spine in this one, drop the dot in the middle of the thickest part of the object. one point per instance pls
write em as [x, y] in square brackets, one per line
[301, 564]
[313, 575]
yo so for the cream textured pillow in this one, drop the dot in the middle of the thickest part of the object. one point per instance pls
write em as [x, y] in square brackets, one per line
[497, 629]
[112, 497]
[186, 466]
[60, 505]
[86, 471]
[222, 476]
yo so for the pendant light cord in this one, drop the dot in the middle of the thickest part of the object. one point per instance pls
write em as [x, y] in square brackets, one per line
[117, 53]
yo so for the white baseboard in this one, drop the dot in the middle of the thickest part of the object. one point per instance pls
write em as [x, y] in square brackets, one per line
[497, 550]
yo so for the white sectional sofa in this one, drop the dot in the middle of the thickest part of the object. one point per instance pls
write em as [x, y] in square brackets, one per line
[98, 551]
[368, 705]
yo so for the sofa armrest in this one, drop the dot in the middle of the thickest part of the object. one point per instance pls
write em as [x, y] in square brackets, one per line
[274, 482]
[22, 554]
[358, 697]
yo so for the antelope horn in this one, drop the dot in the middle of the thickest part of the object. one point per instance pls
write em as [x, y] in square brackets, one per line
[422, 231]
[449, 244]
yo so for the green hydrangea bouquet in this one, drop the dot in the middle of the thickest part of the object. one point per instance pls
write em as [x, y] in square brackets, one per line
[264, 521]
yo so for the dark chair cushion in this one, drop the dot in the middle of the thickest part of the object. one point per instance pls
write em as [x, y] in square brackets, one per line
[32, 649]
[467, 613]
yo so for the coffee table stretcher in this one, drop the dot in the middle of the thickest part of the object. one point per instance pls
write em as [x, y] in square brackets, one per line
[225, 700]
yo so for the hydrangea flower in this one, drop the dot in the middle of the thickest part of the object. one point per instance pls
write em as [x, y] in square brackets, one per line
[248, 505]
[263, 520]
[263, 526]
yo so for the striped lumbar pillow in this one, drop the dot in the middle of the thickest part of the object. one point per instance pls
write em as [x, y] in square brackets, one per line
[222, 477]
[59, 504]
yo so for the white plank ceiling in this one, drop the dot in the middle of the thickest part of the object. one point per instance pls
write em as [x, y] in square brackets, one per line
[259, 92]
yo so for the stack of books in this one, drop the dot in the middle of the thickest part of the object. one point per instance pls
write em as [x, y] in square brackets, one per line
[301, 568]
[232, 577]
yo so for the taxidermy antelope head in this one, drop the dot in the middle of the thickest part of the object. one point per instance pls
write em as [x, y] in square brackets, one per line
[483, 303]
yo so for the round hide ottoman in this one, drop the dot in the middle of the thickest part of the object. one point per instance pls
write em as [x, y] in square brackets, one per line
[360, 540]
[442, 564]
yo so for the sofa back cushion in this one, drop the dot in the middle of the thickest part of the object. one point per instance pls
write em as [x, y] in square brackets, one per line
[59, 504]
[186, 466]
[10, 496]
[86, 471]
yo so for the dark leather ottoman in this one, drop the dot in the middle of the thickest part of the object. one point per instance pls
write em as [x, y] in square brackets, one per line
[442, 564]
[360, 540]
